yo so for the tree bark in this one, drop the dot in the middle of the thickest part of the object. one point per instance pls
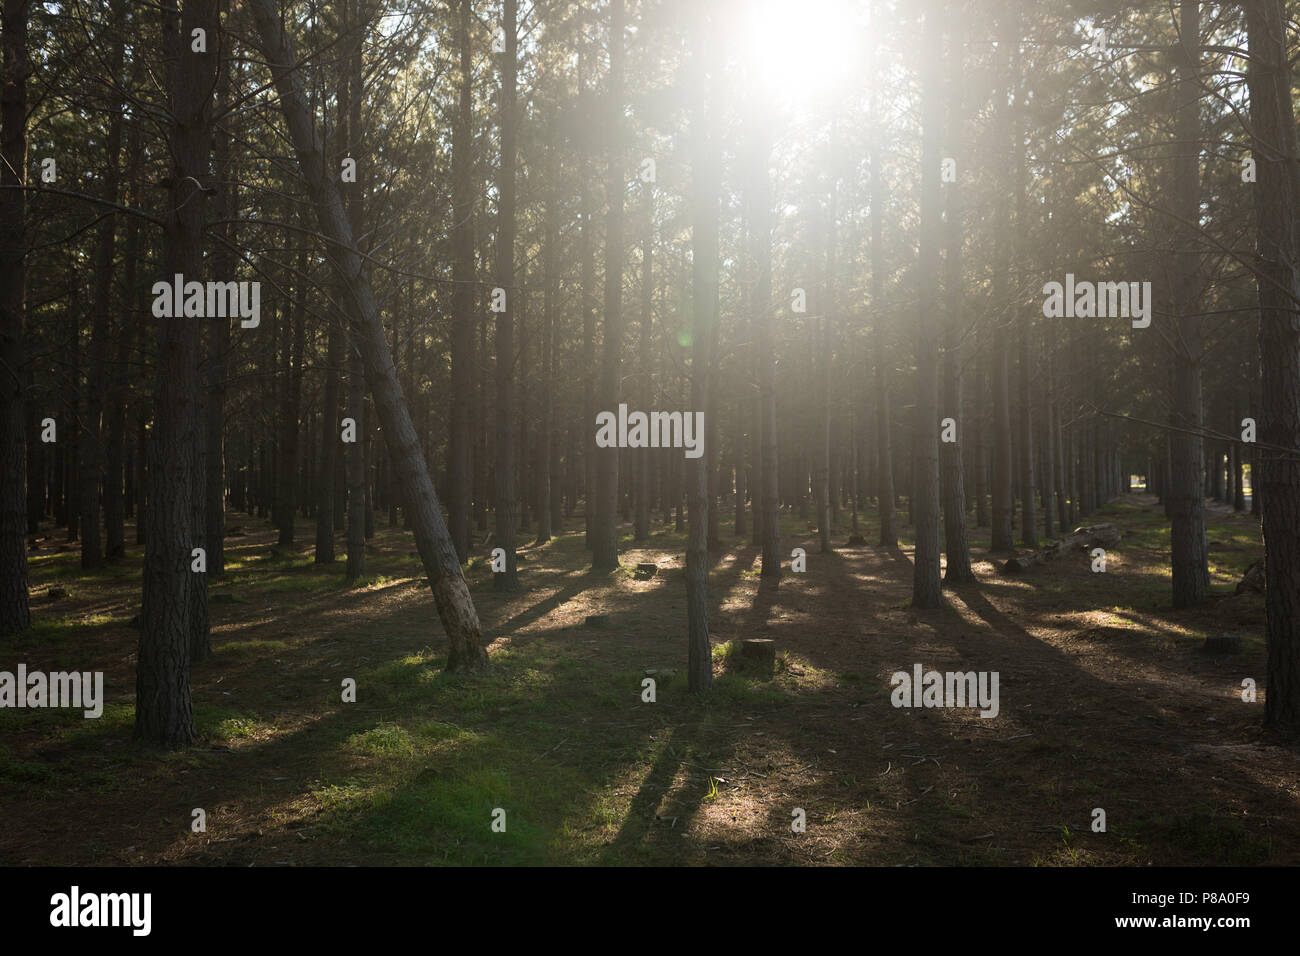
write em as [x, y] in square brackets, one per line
[1003, 538]
[706, 175]
[758, 193]
[504, 506]
[1025, 330]
[604, 537]
[437, 553]
[1188, 548]
[354, 452]
[91, 439]
[15, 613]
[642, 524]
[587, 253]
[547, 509]
[164, 713]
[884, 452]
[953, 490]
[224, 262]
[330, 438]
[460, 441]
[1275, 473]
[926, 586]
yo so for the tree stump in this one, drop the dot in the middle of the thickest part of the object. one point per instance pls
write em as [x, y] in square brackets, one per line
[1253, 579]
[759, 653]
[1222, 644]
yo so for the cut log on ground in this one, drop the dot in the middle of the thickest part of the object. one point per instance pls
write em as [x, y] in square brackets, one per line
[1083, 539]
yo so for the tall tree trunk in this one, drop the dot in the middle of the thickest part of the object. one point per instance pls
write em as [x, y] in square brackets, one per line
[504, 513]
[459, 449]
[926, 587]
[824, 489]
[1049, 442]
[1275, 474]
[356, 397]
[884, 451]
[1003, 538]
[163, 712]
[758, 195]
[604, 537]
[330, 434]
[642, 524]
[546, 451]
[980, 407]
[1238, 470]
[91, 446]
[116, 468]
[1188, 547]
[15, 614]
[587, 253]
[706, 175]
[1025, 331]
[287, 479]
[953, 487]
[224, 264]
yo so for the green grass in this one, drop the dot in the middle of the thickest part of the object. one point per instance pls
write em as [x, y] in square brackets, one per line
[1207, 836]
[556, 737]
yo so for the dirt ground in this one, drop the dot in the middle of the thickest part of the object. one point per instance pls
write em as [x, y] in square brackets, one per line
[1107, 700]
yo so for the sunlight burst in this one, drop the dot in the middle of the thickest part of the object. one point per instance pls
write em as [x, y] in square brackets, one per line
[799, 51]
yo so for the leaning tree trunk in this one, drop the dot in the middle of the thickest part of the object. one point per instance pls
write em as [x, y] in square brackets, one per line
[1275, 472]
[438, 555]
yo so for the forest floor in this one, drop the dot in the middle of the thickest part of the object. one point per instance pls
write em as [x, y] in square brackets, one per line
[1106, 701]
